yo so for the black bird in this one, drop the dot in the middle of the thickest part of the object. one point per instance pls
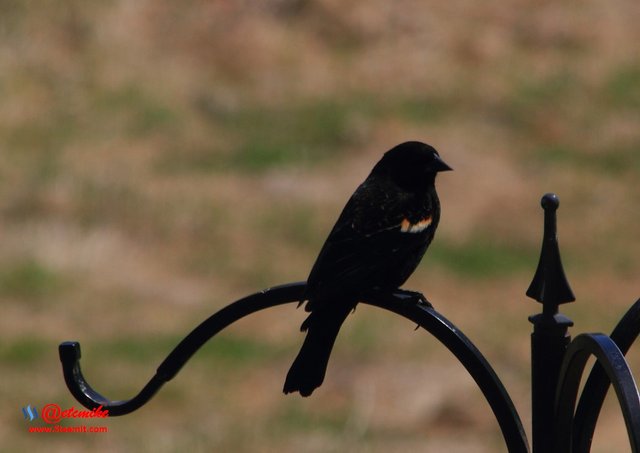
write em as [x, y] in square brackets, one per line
[375, 245]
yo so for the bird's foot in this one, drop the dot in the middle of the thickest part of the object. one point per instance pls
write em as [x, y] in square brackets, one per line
[413, 297]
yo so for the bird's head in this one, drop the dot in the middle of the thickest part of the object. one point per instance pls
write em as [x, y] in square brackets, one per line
[412, 165]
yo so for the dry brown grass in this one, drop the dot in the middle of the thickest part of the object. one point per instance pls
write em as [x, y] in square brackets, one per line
[160, 160]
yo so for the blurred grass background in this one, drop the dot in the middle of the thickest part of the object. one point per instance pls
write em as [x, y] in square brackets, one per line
[162, 159]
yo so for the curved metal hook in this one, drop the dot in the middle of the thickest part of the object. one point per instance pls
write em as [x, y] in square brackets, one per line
[400, 303]
[617, 370]
[596, 386]
[89, 398]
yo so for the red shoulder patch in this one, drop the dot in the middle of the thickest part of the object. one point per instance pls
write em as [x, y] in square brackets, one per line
[407, 227]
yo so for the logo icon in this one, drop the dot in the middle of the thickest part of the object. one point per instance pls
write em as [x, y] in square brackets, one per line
[30, 413]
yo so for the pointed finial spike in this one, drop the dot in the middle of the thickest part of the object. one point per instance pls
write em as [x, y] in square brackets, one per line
[549, 285]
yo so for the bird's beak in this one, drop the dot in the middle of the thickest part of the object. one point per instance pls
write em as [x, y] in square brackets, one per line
[441, 166]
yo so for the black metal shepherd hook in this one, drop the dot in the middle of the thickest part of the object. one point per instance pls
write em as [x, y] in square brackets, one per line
[399, 303]
[557, 363]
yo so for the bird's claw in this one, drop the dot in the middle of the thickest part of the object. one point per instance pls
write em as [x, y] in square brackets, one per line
[414, 297]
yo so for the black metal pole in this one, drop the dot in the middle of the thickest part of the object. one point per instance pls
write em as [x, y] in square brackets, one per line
[550, 336]
[549, 341]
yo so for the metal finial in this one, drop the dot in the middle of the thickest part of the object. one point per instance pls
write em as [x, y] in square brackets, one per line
[549, 285]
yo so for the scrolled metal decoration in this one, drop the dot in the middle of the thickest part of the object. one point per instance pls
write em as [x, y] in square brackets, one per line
[611, 360]
[596, 386]
[557, 363]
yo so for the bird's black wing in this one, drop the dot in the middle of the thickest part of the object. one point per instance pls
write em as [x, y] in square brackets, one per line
[380, 229]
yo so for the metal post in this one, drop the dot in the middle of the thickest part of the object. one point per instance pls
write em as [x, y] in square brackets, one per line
[550, 335]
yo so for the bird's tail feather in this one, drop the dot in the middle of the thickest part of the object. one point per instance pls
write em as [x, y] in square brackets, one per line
[308, 369]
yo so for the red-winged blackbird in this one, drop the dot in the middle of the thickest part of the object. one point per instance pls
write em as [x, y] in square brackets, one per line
[375, 245]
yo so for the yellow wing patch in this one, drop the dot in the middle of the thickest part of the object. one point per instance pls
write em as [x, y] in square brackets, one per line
[407, 227]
